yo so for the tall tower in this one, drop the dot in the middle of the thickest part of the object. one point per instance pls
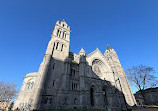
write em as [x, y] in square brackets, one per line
[57, 49]
[120, 78]
[58, 46]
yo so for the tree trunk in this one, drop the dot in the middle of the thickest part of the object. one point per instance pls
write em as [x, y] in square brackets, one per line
[143, 96]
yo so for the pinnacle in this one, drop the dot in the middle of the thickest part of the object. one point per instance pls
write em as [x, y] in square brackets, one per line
[108, 47]
[63, 20]
[82, 51]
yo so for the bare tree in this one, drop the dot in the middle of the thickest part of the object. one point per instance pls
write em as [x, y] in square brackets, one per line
[142, 77]
[8, 91]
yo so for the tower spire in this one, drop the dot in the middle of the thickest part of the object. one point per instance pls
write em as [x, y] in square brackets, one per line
[108, 47]
[63, 20]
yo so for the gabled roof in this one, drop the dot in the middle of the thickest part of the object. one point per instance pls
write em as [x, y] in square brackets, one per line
[95, 51]
[82, 51]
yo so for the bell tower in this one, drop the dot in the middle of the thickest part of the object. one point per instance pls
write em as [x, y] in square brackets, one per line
[58, 46]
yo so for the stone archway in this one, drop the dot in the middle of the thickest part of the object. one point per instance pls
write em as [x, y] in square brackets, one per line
[92, 95]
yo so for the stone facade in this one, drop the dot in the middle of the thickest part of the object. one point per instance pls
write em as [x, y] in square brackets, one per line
[69, 80]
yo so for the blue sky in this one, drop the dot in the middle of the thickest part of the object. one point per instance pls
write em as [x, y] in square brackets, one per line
[128, 26]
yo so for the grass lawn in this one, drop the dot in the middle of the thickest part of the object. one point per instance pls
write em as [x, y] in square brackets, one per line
[73, 110]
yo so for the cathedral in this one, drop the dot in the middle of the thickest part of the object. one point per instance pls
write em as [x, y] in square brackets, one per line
[66, 80]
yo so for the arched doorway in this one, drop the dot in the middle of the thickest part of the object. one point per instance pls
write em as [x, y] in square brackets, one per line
[92, 96]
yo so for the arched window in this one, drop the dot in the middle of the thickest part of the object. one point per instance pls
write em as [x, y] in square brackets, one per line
[92, 96]
[72, 86]
[53, 65]
[64, 34]
[62, 46]
[57, 45]
[53, 48]
[74, 73]
[75, 86]
[58, 32]
[105, 97]
[53, 83]
[30, 84]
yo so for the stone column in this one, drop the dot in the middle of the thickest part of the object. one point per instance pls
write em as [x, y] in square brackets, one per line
[82, 66]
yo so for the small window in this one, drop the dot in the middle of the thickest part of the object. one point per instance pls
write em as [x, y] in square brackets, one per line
[63, 25]
[53, 65]
[62, 47]
[30, 85]
[53, 48]
[71, 72]
[57, 45]
[76, 87]
[65, 35]
[57, 32]
[74, 73]
[72, 87]
[53, 83]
